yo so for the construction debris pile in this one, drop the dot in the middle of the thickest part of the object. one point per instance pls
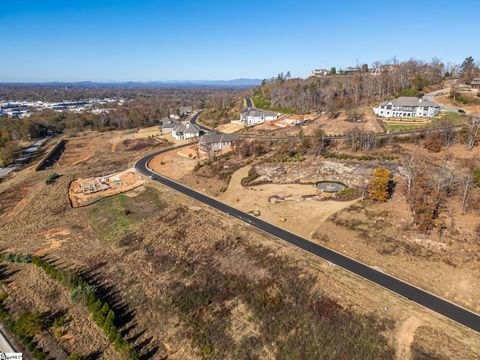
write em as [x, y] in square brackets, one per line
[86, 191]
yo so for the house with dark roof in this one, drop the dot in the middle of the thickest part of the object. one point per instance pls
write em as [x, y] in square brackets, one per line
[407, 107]
[213, 142]
[253, 116]
[185, 110]
[475, 83]
[167, 125]
[185, 131]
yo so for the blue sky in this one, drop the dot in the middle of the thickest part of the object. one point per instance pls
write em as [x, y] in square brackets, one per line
[144, 40]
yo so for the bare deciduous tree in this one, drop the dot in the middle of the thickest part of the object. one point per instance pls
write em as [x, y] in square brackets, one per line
[472, 131]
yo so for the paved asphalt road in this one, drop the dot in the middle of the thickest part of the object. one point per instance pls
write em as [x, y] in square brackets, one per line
[391, 283]
[194, 118]
[431, 97]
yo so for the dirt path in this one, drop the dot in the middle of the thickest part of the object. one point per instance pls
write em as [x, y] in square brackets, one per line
[405, 336]
[293, 212]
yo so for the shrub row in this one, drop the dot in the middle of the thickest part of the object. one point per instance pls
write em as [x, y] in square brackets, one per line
[81, 291]
[26, 340]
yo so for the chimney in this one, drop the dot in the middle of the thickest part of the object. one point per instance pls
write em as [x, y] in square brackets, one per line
[420, 100]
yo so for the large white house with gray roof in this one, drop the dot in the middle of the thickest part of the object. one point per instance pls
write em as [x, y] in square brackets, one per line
[256, 116]
[407, 107]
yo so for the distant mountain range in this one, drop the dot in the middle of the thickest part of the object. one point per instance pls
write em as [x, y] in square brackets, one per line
[147, 84]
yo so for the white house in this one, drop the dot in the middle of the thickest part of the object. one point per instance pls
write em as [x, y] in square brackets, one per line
[185, 131]
[407, 107]
[255, 116]
[320, 72]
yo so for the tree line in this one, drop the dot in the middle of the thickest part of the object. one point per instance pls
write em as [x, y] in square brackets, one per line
[335, 92]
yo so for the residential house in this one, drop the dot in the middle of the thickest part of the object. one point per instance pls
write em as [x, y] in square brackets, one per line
[213, 142]
[185, 110]
[252, 116]
[185, 131]
[382, 69]
[298, 119]
[167, 125]
[350, 71]
[320, 72]
[407, 107]
[475, 83]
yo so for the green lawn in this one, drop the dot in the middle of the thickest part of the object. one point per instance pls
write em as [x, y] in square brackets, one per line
[109, 219]
[114, 216]
[404, 127]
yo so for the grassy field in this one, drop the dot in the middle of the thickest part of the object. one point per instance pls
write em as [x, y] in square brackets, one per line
[113, 217]
[404, 127]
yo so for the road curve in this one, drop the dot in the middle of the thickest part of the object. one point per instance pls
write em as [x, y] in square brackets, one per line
[411, 292]
[194, 119]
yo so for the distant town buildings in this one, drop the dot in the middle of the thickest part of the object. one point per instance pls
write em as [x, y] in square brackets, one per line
[407, 107]
[22, 109]
[252, 116]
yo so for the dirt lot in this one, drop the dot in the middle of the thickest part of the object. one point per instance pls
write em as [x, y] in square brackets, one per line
[339, 126]
[283, 205]
[175, 164]
[195, 283]
[75, 153]
[230, 127]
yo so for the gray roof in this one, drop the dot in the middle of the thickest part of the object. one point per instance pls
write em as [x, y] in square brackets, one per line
[167, 120]
[475, 81]
[215, 137]
[258, 112]
[187, 128]
[409, 101]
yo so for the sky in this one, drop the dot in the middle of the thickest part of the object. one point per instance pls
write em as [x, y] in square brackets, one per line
[146, 40]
